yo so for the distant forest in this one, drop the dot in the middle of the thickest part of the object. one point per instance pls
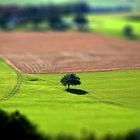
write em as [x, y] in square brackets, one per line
[12, 16]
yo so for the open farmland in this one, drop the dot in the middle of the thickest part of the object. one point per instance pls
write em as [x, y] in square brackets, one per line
[112, 100]
[34, 57]
[61, 52]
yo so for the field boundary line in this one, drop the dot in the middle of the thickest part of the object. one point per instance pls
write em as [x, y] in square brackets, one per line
[16, 87]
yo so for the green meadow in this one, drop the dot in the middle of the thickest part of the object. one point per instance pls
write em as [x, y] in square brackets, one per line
[112, 104]
[113, 25]
[8, 79]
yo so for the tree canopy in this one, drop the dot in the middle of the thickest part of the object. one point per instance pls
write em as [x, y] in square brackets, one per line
[70, 80]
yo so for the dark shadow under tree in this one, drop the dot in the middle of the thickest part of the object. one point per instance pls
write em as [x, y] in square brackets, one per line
[77, 91]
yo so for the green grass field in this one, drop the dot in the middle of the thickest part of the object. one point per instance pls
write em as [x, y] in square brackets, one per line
[113, 25]
[111, 105]
[8, 79]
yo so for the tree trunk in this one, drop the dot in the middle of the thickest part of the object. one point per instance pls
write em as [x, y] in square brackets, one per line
[68, 86]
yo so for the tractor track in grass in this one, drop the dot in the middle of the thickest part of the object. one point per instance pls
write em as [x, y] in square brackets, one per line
[109, 102]
[15, 89]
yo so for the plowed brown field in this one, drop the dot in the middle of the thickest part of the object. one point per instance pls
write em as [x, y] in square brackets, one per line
[61, 52]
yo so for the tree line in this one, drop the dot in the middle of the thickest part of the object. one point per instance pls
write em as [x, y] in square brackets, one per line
[12, 16]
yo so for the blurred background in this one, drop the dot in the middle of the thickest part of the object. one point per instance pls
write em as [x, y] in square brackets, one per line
[120, 18]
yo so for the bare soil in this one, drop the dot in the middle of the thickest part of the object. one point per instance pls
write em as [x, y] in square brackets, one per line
[62, 52]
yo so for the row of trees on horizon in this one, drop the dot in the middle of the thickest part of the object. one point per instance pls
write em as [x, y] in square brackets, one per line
[13, 16]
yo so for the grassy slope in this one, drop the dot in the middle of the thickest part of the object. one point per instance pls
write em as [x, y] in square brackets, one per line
[112, 104]
[113, 25]
[7, 79]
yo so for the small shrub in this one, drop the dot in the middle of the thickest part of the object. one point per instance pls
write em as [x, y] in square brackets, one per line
[31, 78]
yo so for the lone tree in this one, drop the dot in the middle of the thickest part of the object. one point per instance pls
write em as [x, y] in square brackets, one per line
[70, 80]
